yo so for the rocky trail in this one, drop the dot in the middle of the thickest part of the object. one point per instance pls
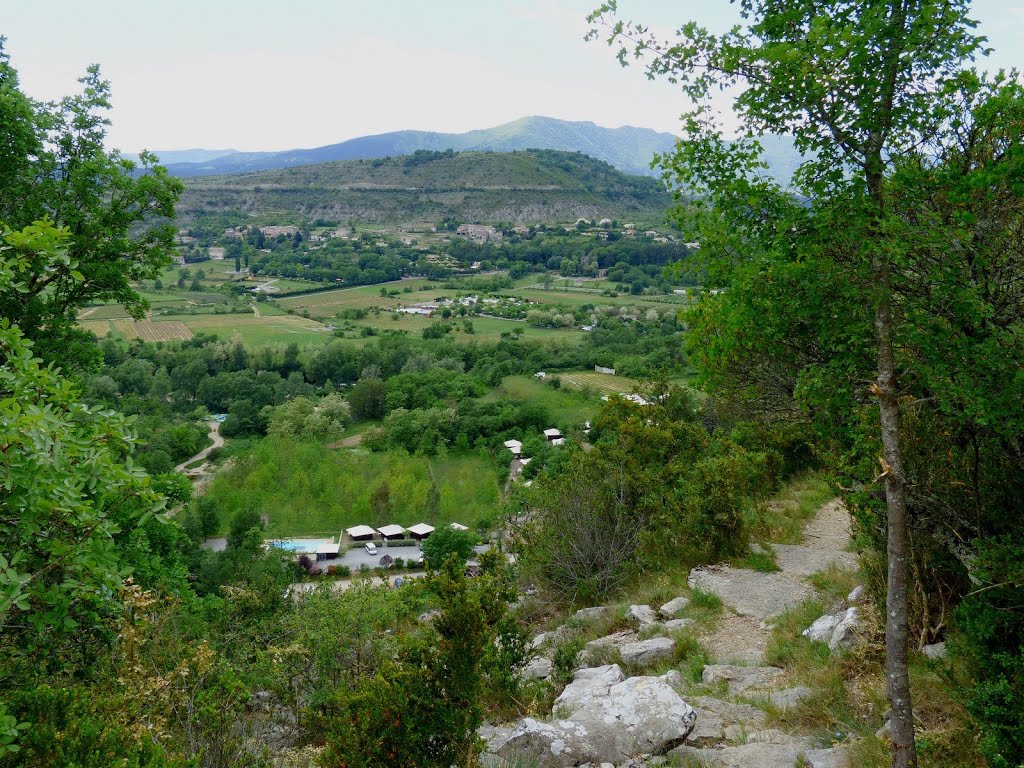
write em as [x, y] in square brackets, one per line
[605, 718]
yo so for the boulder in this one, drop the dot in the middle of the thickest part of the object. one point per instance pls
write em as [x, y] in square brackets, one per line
[615, 641]
[822, 628]
[590, 614]
[604, 718]
[935, 651]
[647, 652]
[642, 615]
[539, 668]
[790, 697]
[714, 716]
[744, 756]
[674, 625]
[540, 639]
[847, 631]
[672, 608]
[858, 595]
[835, 757]
[741, 679]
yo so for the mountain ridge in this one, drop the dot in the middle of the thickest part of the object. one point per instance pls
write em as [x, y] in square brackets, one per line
[628, 148]
[523, 186]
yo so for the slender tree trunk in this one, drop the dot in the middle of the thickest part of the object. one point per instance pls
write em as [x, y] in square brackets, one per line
[897, 631]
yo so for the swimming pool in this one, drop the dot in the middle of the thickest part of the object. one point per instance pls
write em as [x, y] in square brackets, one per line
[300, 545]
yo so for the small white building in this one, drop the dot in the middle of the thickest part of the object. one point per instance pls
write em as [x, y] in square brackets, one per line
[515, 446]
[360, 532]
[552, 435]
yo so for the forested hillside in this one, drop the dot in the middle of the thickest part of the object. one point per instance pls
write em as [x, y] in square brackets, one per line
[518, 187]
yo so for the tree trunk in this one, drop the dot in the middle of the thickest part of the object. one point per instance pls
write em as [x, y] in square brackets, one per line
[897, 673]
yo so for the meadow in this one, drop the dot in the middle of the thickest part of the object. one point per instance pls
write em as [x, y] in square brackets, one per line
[307, 489]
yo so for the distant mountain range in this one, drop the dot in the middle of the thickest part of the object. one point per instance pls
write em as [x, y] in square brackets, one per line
[524, 186]
[629, 149]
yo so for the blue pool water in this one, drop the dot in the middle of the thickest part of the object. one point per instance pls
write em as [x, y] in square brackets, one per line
[300, 545]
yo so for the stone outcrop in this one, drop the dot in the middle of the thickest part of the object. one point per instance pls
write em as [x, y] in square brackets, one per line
[647, 652]
[741, 679]
[642, 616]
[672, 608]
[602, 717]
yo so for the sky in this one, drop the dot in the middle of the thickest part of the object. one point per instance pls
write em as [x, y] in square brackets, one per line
[272, 75]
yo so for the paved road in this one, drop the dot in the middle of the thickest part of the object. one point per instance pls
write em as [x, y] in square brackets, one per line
[218, 441]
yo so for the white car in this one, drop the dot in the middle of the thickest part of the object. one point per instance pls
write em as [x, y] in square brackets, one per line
[371, 548]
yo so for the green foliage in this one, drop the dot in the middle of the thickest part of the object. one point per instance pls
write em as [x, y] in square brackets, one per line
[305, 419]
[70, 489]
[656, 488]
[447, 542]
[422, 709]
[54, 163]
[989, 641]
[305, 488]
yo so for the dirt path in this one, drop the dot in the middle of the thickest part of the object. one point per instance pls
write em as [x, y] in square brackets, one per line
[352, 441]
[218, 441]
[752, 598]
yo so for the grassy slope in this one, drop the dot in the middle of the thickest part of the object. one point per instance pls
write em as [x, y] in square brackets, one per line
[308, 489]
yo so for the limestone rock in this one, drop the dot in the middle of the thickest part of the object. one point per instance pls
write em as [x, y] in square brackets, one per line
[822, 628]
[590, 614]
[846, 633]
[858, 595]
[676, 624]
[642, 615]
[835, 757]
[759, 596]
[540, 639]
[744, 756]
[646, 652]
[672, 608]
[802, 560]
[614, 641]
[790, 697]
[741, 679]
[935, 651]
[539, 668]
[604, 718]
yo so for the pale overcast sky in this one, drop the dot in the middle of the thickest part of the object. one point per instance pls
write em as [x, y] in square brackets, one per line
[267, 74]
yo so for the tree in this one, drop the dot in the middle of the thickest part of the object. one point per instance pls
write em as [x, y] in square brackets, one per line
[68, 492]
[117, 214]
[445, 542]
[863, 88]
[367, 398]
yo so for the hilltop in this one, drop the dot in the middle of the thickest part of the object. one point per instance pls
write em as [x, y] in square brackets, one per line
[522, 187]
[628, 148]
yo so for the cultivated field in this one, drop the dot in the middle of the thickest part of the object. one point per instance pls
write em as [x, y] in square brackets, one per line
[255, 331]
[147, 330]
[603, 383]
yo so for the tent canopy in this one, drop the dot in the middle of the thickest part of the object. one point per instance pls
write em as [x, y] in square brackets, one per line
[421, 530]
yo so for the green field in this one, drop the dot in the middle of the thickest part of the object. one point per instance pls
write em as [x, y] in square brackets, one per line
[555, 296]
[484, 328]
[255, 331]
[567, 407]
[331, 303]
[307, 489]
